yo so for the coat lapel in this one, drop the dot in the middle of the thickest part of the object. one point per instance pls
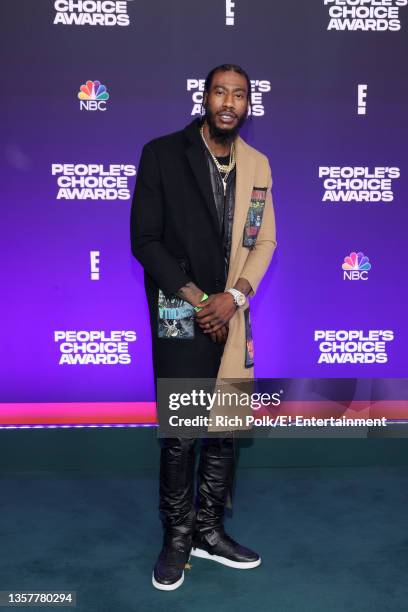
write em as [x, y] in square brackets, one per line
[244, 185]
[198, 162]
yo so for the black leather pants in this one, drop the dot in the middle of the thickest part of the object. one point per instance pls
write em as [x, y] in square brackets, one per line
[176, 503]
[215, 477]
[215, 481]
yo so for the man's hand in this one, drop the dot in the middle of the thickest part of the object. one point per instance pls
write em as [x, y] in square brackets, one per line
[215, 312]
[190, 293]
[221, 335]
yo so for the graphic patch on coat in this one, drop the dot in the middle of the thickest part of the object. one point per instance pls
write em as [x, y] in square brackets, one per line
[249, 343]
[254, 216]
[175, 318]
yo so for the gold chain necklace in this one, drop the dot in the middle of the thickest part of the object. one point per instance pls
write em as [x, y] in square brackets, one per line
[222, 168]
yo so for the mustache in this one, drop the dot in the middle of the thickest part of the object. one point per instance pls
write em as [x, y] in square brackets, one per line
[227, 113]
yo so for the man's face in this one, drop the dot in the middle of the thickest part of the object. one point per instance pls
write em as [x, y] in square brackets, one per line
[226, 104]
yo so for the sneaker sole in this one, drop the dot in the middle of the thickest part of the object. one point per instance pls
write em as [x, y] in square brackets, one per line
[167, 587]
[203, 554]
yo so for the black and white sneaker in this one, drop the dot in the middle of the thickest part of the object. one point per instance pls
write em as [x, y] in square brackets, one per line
[168, 573]
[217, 546]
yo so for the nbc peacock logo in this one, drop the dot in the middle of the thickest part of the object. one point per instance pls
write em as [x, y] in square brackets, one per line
[356, 266]
[93, 96]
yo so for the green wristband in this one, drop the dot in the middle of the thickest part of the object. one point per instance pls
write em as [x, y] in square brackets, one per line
[197, 308]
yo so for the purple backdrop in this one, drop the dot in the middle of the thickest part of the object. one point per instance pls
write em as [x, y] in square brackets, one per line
[311, 66]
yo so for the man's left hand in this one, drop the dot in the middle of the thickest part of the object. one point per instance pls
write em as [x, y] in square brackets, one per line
[216, 311]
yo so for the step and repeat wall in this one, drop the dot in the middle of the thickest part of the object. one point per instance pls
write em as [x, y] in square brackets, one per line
[86, 83]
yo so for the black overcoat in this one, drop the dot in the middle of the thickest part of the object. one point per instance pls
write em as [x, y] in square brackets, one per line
[175, 236]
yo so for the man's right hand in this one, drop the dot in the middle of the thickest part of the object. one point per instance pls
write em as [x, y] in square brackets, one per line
[190, 293]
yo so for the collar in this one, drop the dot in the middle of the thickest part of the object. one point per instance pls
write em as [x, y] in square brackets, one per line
[192, 131]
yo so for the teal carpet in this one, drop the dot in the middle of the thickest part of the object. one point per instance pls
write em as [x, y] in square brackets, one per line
[331, 539]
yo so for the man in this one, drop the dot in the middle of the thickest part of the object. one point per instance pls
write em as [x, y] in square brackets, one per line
[202, 226]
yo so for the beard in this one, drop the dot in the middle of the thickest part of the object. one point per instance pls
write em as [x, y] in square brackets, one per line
[222, 135]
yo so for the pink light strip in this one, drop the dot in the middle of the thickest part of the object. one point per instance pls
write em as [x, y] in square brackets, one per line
[144, 413]
[96, 413]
